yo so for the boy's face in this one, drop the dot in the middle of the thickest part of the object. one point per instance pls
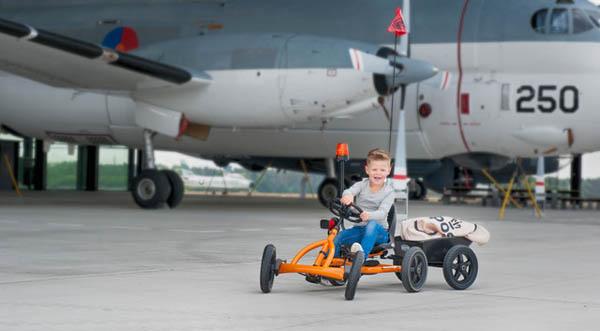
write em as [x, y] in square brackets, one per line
[378, 171]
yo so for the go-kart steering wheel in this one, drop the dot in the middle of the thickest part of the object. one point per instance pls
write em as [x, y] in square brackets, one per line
[350, 212]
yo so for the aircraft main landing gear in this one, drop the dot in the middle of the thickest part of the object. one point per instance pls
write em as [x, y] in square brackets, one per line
[328, 190]
[417, 190]
[152, 188]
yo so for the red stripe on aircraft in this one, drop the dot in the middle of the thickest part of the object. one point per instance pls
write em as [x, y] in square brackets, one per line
[401, 177]
[460, 74]
[445, 83]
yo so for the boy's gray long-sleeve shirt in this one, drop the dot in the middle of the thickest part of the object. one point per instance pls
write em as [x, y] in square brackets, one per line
[377, 204]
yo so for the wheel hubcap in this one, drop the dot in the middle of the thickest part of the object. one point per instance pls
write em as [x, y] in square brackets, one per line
[329, 192]
[417, 269]
[146, 189]
[461, 268]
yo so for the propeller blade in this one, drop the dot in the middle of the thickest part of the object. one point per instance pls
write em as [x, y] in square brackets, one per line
[402, 96]
[366, 62]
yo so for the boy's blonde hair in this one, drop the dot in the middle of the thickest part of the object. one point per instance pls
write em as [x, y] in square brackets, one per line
[378, 154]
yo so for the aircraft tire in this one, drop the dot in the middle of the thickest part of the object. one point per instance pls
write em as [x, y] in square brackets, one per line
[151, 189]
[421, 191]
[328, 190]
[177, 188]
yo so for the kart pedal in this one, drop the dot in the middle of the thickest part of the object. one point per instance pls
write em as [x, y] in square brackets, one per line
[371, 263]
[313, 279]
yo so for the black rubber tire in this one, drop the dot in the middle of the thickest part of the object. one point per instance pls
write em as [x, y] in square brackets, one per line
[151, 189]
[328, 189]
[335, 282]
[177, 188]
[460, 262]
[354, 275]
[420, 191]
[414, 269]
[267, 268]
[398, 274]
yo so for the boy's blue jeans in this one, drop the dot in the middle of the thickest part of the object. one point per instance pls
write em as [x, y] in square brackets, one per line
[368, 236]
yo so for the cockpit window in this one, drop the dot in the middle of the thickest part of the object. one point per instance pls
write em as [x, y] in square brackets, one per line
[581, 23]
[559, 21]
[594, 16]
[538, 21]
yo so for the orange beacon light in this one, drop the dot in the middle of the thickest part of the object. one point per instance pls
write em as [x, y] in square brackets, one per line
[341, 152]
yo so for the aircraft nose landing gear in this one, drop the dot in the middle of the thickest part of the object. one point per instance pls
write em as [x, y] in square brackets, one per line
[153, 188]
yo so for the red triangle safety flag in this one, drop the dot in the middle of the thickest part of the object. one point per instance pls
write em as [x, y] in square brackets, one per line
[398, 27]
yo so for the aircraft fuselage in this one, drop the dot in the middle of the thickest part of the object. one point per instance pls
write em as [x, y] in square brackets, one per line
[507, 86]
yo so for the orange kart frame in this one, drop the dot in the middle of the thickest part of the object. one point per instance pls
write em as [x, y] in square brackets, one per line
[409, 263]
[328, 266]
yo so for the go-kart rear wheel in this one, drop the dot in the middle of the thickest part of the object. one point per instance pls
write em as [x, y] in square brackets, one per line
[460, 267]
[354, 275]
[267, 268]
[414, 269]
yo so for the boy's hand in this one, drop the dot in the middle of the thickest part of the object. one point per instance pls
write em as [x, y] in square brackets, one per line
[347, 199]
[364, 216]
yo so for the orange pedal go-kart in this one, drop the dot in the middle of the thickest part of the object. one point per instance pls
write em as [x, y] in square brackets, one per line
[410, 268]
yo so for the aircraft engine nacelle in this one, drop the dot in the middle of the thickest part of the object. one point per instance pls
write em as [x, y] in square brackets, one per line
[269, 79]
[324, 78]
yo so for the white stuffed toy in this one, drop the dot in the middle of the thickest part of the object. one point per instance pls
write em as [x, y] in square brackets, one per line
[425, 228]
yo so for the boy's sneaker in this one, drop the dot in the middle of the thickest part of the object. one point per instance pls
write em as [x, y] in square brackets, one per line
[356, 247]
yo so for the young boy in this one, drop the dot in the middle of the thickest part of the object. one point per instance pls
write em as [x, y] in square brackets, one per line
[375, 196]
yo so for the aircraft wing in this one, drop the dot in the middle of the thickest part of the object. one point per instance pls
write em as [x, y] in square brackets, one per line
[61, 61]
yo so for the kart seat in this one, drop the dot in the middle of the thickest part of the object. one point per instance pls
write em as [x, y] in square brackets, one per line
[391, 219]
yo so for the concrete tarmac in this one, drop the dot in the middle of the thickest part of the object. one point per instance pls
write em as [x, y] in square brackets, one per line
[94, 261]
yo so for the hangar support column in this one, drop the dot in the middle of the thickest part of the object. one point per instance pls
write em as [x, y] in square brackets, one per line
[576, 177]
[131, 169]
[39, 167]
[140, 161]
[87, 168]
[28, 162]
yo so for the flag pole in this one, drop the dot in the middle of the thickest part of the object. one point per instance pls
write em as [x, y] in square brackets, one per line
[392, 91]
[400, 178]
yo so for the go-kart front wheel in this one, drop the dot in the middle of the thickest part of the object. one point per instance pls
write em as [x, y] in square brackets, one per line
[354, 275]
[460, 267]
[267, 268]
[335, 282]
[414, 269]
